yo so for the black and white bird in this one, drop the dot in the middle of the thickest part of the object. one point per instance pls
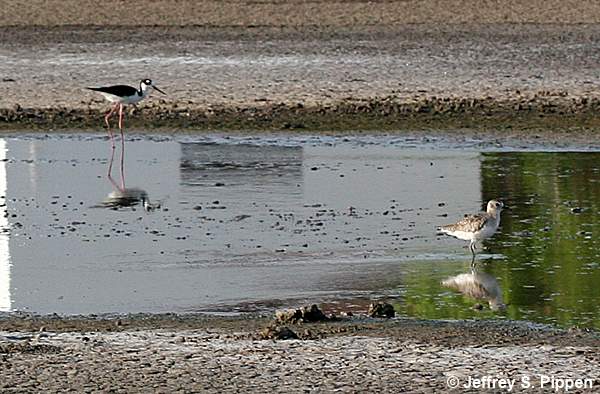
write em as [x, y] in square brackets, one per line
[122, 95]
[476, 227]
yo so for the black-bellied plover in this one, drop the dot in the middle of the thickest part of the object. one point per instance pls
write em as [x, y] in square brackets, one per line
[476, 227]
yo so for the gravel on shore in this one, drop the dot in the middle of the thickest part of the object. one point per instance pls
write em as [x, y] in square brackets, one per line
[170, 353]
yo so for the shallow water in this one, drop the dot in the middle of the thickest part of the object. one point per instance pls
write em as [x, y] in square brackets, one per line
[242, 224]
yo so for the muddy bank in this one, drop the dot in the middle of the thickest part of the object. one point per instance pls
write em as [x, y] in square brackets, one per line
[550, 113]
[167, 353]
[497, 76]
[249, 326]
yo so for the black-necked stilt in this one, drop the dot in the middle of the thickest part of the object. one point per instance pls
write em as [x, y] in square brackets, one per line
[122, 95]
[476, 227]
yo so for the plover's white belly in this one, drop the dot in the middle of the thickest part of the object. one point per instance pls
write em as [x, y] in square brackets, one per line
[464, 235]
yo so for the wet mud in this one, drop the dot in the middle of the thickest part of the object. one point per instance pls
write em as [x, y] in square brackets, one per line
[210, 354]
[577, 119]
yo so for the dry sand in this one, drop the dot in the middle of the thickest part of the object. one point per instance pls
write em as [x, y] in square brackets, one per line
[296, 13]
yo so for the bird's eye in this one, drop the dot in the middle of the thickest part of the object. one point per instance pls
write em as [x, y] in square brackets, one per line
[498, 205]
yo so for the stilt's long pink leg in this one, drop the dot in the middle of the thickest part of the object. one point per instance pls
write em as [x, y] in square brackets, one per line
[121, 117]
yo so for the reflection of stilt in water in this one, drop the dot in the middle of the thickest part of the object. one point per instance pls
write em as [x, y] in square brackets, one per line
[123, 197]
[122, 169]
[126, 198]
[478, 285]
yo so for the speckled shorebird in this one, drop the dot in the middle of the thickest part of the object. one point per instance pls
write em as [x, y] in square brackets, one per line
[122, 95]
[476, 227]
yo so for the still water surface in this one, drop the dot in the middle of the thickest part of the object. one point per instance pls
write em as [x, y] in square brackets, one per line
[243, 224]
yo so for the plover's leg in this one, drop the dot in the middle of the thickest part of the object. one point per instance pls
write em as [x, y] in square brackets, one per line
[472, 247]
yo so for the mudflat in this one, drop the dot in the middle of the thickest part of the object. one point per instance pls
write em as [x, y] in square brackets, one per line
[318, 65]
[166, 353]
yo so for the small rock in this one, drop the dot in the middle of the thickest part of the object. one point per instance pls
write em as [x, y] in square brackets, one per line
[277, 332]
[288, 316]
[304, 314]
[239, 218]
[379, 309]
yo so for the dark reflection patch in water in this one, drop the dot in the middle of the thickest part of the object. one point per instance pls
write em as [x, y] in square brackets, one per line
[549, 241]
[235, 226]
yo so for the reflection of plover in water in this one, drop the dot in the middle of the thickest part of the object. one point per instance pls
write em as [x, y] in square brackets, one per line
[477, 227]
[478, 285]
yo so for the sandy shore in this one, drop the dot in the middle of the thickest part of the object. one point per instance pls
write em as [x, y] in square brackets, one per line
[317, 66]
[320, 13]
[166, 353]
